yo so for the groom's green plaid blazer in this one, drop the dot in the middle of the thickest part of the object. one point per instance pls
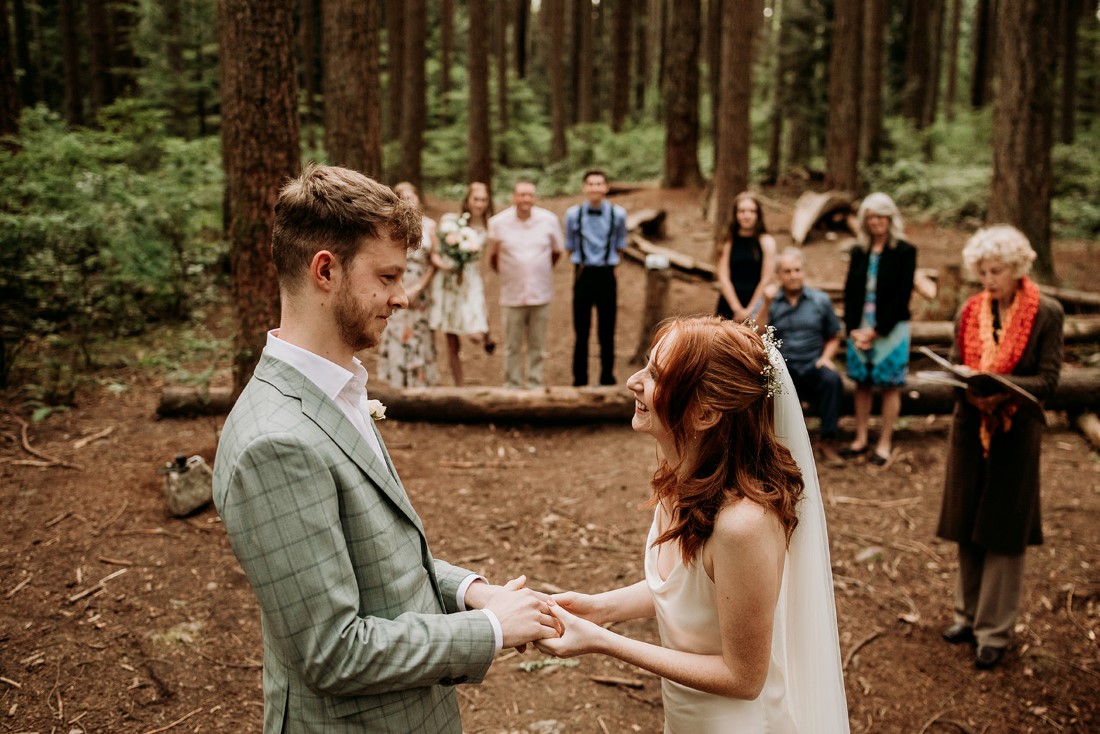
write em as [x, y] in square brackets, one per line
[360, 627]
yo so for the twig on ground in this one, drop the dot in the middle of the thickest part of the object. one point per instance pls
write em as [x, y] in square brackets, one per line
[97, 586]
[26, 442]
[112, 518]
[19, 586]
[224, 664]
[950, 722]
[611, 680]
[859, 645]
[115, 561]
[10, 682]
[175, 723]
[82, 442]
[603, 726]
[882, 504]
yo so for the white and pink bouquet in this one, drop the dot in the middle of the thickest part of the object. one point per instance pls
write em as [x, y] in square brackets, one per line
[458, 240]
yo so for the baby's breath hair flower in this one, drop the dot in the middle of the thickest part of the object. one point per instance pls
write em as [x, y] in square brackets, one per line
[772, 343]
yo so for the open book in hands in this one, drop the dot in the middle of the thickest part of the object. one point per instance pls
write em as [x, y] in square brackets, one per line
[982, 384]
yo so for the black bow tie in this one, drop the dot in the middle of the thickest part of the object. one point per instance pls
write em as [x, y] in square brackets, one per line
[597, 212]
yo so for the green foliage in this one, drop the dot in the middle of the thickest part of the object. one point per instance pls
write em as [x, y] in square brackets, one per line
[103, 232]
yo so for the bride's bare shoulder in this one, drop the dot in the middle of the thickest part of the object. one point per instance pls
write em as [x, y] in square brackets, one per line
[743, 520]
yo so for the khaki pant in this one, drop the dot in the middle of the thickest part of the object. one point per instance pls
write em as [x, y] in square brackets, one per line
[987, 596]
[524, 324]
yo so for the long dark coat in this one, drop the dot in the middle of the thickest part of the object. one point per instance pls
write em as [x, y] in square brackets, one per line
[994, 502]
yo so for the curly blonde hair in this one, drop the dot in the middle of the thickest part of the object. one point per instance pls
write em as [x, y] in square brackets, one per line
[881, 205]
[1000, 242]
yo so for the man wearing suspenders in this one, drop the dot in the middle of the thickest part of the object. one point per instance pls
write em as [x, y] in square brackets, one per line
[595, 234]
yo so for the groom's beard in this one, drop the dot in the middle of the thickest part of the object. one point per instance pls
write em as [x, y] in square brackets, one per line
[353, 321]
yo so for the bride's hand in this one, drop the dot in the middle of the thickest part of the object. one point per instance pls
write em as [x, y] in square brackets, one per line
[580, 636]
[582, 605]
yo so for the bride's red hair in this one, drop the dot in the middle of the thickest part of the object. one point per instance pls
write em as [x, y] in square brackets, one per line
[718, 365]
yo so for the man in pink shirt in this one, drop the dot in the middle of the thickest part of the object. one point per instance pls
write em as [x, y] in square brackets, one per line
[525, 242]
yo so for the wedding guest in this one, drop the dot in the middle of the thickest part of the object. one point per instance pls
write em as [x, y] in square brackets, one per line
[406, 357]
[363, 630]
[991, 493]
[595, 234]
[458, 294]
[525, 243]
[746, 261]
[876, 314]
[805, 321]
[737, 567]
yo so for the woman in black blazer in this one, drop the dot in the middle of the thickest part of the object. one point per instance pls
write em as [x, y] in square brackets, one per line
[876, 314]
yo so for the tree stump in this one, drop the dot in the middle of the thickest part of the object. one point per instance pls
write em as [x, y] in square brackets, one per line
[657, 280]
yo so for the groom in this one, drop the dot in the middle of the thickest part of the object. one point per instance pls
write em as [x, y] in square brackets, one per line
[363, 630]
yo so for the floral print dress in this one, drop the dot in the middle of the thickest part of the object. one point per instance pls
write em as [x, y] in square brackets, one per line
[458, 297]
[406, 357]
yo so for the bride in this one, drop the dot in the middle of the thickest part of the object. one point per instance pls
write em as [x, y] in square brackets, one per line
[737, 561]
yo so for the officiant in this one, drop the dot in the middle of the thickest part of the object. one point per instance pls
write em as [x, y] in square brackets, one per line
[991, 504]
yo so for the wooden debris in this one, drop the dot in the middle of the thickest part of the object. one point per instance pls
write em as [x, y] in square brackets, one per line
[98, 586]
[25, 440]
[859, 645]
[175, 723]
[10, 682]
[15, 590]
[611, 680]
[1089, 425]
[812, 207]
[82, 442]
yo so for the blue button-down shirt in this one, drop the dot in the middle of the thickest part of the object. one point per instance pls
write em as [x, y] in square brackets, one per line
[596, 224]
[805, 326]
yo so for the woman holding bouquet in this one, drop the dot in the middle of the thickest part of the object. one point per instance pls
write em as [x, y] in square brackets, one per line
[406, 357]
[458, 296]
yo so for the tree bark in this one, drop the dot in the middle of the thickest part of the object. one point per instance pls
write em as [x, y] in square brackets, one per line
[479, 166]
[555, 10]
[712, 52]
[446, 45]
[874, 48]
[308, 43]
[681, 96]
[353, 124]
[523, 19]
[101, 92]
[260, 149]
[641, 59]
[70, 62]
[622, 40]
[845, 66]
[28, 83]
[500, 53]
[1022, 123]
[124, 62]
[9, 92]
[740, 20]
[985, 43]
[779, 101]
[414, 95]
[1071, 16]
[953, 60]
[922, 61]
[395, 66]
[585, 67]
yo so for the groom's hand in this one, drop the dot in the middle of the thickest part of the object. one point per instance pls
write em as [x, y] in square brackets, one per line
[524, 614]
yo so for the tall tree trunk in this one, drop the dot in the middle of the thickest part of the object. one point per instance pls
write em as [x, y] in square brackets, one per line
[70, 62]
[479, 166]
[803, 32]
[935, 65]
[259, 151]
[414, 95]
[842, 132]
[740, 19]
[584, 60]
[555, 10]
[681, 94]
[622, 41]
[953, 60]
[500, 52]
[124, 61]
[28, 83]
[308, 43]
[1071, 16]
[641, 59]
[395, 66]
[659, 41]
[353, 123]
[446, 45]
[874, 48]
[173, 51]
[712, 51]
[523, 19]
[42, 93]
[780, 96]
[9, 93]
[922, 61]
[101, 91]
[985, 41]
[1022, 123]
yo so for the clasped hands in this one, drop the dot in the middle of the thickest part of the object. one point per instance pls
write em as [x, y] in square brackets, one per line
[863, 338]
[564, 625]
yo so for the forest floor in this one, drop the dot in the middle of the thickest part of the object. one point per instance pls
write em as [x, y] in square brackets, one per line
[117, 617]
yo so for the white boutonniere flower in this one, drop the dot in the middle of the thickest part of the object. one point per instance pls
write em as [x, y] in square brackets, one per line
[376, 409]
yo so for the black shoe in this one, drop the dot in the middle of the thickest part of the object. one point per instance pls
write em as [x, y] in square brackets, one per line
[849, 453]
[608, 380]
[878, 459]
[958, 633]
[988, 657]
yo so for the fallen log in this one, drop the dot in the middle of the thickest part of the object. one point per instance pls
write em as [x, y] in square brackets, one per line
[649, 222]
[1089, 425]
[1078, 390]
[812, 207]
[1075, 330]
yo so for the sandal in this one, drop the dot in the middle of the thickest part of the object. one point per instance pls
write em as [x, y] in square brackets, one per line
[489, 344]
[850, 453]
[878, 459]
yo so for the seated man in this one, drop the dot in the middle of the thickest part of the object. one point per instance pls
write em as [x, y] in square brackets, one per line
[804, 319]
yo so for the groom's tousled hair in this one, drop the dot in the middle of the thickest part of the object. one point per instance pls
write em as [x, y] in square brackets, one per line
[718, 368]
[335, 209]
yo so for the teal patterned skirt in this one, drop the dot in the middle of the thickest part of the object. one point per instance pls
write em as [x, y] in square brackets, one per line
[886, 363]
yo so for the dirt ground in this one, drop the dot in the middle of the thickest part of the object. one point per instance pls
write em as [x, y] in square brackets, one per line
[116, 617]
